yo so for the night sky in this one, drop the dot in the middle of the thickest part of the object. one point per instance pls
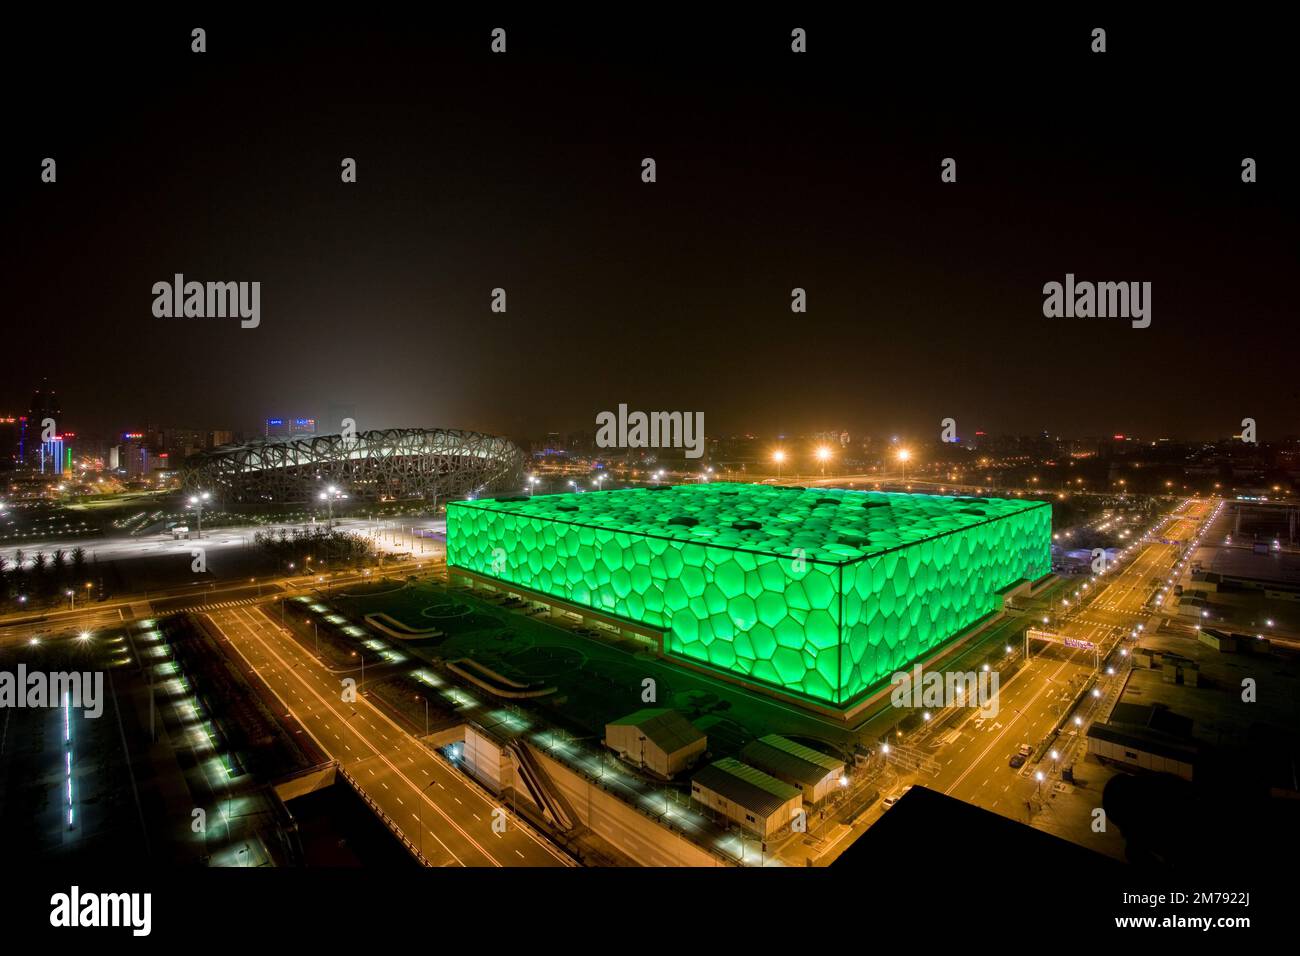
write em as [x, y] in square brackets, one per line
[775, 170]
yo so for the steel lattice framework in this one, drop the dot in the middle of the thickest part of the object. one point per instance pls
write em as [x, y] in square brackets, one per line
[392, 463]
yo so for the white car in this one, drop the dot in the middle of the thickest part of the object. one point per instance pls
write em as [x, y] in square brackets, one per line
[893, 798]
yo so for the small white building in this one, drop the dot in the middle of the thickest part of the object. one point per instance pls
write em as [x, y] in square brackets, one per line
[746, 796]
[657, 739]
[815, 774]
[1146, 737]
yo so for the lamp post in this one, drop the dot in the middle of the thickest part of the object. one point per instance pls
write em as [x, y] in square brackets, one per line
[197, 502]
[420, 816]
[778, 457]
[363, 670]
[823, 455]
[903, 456]
[426, 713]
[328, 496]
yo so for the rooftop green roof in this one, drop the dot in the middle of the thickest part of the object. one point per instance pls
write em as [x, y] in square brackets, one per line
[831, 525]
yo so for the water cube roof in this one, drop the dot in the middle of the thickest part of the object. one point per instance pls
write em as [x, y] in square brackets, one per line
[831, 525]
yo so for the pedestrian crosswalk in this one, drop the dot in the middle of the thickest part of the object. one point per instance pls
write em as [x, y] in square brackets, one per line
[223, 604]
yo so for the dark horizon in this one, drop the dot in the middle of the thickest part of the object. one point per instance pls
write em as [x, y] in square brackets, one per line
[775, 171]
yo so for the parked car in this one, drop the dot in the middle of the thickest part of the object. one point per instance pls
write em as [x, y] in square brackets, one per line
[893, 798]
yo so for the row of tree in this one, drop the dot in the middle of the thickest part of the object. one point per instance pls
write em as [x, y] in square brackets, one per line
[321, 546]
[40, 575]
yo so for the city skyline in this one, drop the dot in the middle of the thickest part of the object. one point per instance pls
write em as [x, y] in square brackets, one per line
[284, 424]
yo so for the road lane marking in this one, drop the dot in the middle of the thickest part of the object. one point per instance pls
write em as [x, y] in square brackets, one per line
[421, 794]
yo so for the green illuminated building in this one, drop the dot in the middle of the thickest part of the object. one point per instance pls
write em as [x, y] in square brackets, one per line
[819, 593]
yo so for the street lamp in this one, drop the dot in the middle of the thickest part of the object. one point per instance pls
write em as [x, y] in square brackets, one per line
[823, 455]
[426, 713]
[197, 502]
[363, 670]
[778, 457]
[903, 456]
[328, 497]
[419, 805]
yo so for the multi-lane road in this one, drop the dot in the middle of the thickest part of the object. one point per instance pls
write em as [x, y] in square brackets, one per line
[450, 821]
[20, 627]
[974, 763]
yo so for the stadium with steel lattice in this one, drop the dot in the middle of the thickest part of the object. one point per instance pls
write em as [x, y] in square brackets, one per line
[389, 464]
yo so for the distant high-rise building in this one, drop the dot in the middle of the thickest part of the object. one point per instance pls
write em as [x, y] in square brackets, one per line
[9, 440]
[180, 443]
[290, 427]
[137, 460]
[51, 456]
[133, 454]
[44, 412]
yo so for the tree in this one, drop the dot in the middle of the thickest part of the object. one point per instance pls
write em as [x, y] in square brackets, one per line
[38, 569]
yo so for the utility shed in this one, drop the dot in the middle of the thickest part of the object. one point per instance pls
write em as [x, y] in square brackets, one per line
[745, 795]
[658, 739]
[1146, 737]
[815, 774]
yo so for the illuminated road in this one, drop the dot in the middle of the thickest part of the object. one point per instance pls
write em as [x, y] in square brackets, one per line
[974, 763]
[22, 626]
[391, 535]
[438, 811]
